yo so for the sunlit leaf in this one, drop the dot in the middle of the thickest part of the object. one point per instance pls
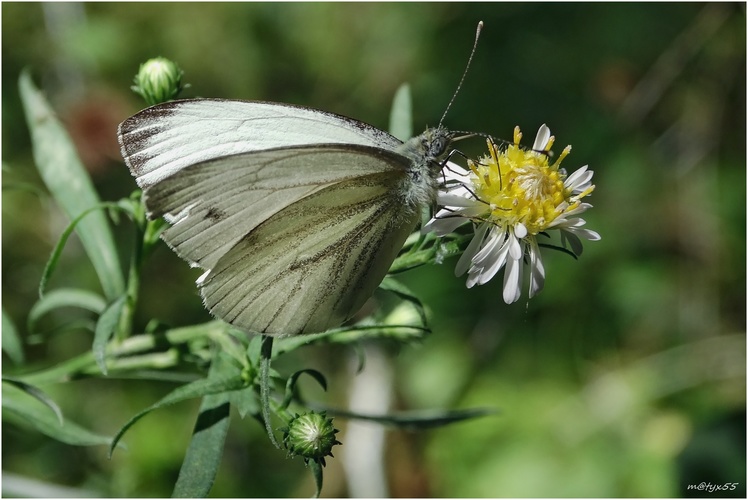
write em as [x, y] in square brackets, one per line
[70, 185]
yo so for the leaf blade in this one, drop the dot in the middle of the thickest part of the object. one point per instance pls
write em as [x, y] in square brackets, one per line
[203, 457]
[192, 390]
[70, 185]
[23, 411]
[12, 344]
[64, 297]
[36, 393]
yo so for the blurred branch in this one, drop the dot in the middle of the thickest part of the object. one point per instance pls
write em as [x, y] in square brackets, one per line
[363, 455]
[670, 64]
[616, 395]
[15, 485]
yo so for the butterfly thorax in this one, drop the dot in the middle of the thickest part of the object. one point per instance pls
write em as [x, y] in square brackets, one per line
[427, 153]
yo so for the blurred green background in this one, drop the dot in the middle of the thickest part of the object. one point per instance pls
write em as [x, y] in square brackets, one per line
[624, 378]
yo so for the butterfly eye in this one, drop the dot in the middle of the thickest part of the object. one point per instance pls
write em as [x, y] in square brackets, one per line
[438, 146]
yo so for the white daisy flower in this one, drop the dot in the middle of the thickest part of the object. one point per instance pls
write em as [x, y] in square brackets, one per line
[511, 196]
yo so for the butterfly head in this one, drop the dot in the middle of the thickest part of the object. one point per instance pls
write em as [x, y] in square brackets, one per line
[428, 150]
[435, 143]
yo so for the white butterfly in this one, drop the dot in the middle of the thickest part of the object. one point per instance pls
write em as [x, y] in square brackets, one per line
[296, 214]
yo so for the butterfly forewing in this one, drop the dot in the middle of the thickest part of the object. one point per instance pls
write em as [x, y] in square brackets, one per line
[161, 140]
[313, 264]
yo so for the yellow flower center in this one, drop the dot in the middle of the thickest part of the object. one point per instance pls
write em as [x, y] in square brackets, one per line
[520, 185]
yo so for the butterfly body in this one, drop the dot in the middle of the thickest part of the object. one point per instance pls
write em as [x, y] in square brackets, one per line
[295, 214]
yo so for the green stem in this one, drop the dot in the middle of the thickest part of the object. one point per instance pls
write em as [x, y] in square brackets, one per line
[150, 361]
[80, 365]
[124, 329]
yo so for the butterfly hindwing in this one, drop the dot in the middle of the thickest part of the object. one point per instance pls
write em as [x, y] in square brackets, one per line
[295, 239]
[214, 204]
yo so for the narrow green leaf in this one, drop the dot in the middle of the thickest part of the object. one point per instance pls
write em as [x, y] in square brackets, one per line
[291, 384]
[392, 285]
[65, 297]
[37, 393]
[254, 349]
[204, 454]
[416, 420]
[200, 465]
[105, 328]
[51, 265]
[350, 335]
[401, 115]
[265, 358]
[23, 411]
[196, 389]
[87, 324]
[70, 185]
[12, 344]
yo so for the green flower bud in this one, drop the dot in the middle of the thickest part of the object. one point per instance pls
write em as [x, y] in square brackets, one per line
[159, 80]
[311, 436]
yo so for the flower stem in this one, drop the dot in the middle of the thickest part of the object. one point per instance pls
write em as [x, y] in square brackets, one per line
[124, 329]
[85, 363]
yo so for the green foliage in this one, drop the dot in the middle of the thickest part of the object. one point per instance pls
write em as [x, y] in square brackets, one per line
[67, 180]
[198, 472]
[64, 297]
[22, 407]
[12, 341]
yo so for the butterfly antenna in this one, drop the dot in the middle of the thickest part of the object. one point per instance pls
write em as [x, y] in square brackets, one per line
[464, 74]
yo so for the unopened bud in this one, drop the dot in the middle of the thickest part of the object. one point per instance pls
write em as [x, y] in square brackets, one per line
[311, 436]
[159, 80]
